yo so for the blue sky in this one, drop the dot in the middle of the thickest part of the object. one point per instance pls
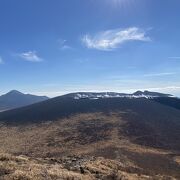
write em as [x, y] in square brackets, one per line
[55, 47]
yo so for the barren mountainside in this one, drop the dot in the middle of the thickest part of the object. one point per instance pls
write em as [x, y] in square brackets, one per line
[130, 138]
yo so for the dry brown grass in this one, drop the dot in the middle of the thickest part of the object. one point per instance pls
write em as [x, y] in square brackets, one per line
[24, 168]
[177, 159]
[89, 134]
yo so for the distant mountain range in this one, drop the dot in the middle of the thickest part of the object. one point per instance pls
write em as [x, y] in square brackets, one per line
[16, 99]
[137, 94]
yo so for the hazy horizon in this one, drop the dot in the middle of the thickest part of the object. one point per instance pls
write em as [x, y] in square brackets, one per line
[56, 94]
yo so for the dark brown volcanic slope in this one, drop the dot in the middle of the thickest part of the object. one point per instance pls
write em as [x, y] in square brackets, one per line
[172, 102]
[141, 134]
[158, 124]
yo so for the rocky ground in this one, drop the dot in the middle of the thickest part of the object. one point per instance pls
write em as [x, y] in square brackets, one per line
[69, 168]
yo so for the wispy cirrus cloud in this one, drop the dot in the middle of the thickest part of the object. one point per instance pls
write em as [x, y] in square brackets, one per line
[112, 39]
[1, 60]
[63, 44]
[160, 74]
[31, 56]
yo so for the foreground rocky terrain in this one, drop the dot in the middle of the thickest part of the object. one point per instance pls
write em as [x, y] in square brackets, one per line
[71, 168]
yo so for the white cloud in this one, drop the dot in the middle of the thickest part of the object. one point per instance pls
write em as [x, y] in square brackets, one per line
[1, 60]
[63, 44]
[112, 39]
[30, 56]
[160, 74]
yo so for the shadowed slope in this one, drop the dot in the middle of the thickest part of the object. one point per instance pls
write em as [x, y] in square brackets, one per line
[154, 124]
[172, 102]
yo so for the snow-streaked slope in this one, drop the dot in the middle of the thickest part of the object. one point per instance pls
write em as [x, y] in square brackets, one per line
[138, 94]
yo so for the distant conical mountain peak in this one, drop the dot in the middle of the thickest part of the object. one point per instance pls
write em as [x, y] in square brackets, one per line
[15, 99]
[14, 92]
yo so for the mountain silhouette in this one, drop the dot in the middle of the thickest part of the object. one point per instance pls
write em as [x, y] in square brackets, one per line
[16, 99]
